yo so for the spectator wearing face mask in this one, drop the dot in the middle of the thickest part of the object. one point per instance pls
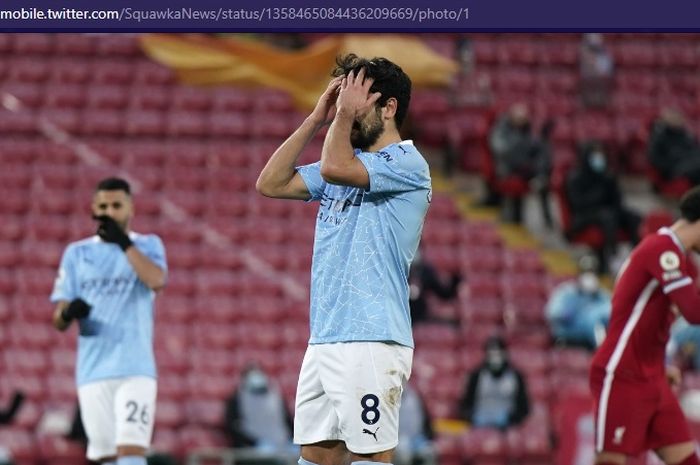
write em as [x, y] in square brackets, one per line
[597, 70]
[257, 416]
[495, 395]
[416, 433]
[595, 199]
[578, 310]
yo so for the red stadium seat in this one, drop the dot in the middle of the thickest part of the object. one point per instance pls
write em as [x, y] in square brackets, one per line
[148, 72]
[74, 44]
[112, 71]
[207, 413]
[102, 123]
[21, 445]
[144, 123]
[149, 97]
[111, 45]
[61, 451]
[107, 96]
[169, 413]
[484, 446]
[191, 98]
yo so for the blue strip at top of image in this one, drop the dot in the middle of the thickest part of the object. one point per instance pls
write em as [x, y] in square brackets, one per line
[346, 16]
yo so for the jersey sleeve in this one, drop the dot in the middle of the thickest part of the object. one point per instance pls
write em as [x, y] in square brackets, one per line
[311, 174]
[65, 286]
[675, 274]
[392, 173]
[155, 250]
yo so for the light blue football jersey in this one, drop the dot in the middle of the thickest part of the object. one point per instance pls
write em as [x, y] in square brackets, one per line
[116, 339]
[364, 243]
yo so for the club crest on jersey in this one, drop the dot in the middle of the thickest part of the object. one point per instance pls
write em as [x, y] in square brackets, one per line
[669, 261]
[617, 436]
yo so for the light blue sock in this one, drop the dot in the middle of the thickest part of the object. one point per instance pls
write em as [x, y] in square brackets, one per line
[305, 462]
[131, 460]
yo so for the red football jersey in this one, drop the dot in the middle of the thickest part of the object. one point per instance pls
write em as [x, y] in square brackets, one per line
[654, 284]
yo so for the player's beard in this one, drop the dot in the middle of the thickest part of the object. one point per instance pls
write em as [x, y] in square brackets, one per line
[366, 133]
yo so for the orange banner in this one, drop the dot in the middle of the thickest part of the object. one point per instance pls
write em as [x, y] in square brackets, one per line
[206, 60]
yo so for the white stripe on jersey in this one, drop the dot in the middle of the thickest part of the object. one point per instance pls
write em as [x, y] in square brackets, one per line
[675, 285]
[634, 318]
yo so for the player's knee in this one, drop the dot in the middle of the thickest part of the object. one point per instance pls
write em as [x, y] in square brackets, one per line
[692, 459]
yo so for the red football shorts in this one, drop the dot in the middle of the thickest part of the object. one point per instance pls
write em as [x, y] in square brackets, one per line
[632, 416]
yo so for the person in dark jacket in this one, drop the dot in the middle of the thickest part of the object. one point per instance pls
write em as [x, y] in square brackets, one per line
[595, 198]
[673, 150]
[423, 279]
[495, 395]
[257, 417]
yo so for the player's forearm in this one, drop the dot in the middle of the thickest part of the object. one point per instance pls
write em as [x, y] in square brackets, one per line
[280, 168]
[148, 272]
[58, 322]
[337, 154]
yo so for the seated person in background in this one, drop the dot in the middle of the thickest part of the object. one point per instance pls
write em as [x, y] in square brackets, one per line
[673, 150]
[684, 345]
[257, 416]
[415, 431]
[597, 70]
[595, 199]
[518, 153]
[424, 279]
[495, 394]
[578, 310]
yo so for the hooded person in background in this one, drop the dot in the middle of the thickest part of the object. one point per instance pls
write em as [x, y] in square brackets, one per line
[495, 394]
[578, 310]
[595, 199]
[673, 150]
[257, 417]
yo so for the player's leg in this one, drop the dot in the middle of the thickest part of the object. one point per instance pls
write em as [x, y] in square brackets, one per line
[134, 405]
[364, 381]
[97, 414]
[679, 454]
[610, 458]
[315, 421]
[324, 453]
[623, 413]
[669, 434]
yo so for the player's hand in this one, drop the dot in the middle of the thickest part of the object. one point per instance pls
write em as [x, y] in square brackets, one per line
[354, 97]
[110, 231]
[78, 308]
[673, 375]
[325, 109]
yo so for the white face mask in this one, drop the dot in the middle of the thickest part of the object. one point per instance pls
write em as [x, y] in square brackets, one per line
[597, 162]
[495, 359]
[256, 381]
[588, 282]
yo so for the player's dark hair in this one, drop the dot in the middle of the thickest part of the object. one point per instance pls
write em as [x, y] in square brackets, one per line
[389, 79]
[690, 205]
[113, 184]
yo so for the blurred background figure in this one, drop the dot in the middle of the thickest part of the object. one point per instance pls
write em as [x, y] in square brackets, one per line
[673, 150]
[495, 395]
[415, 431]
[684, 346]
[8, 414]
[424, 279]
[578, 310]
[518, 155]
[595, 199]
[257, 418]
[597, 71]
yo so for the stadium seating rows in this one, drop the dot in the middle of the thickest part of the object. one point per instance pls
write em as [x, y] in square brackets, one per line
[195, 154]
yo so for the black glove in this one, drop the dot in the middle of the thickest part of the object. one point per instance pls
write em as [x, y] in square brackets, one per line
[110, 231]
[78, 308]
[8, 415]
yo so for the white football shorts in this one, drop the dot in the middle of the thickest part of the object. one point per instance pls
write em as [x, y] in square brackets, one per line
[117, 411]
[351, 391]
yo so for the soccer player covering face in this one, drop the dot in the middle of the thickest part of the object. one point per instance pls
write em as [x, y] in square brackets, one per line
[107, 283]
[373, 190]
[635, 407]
